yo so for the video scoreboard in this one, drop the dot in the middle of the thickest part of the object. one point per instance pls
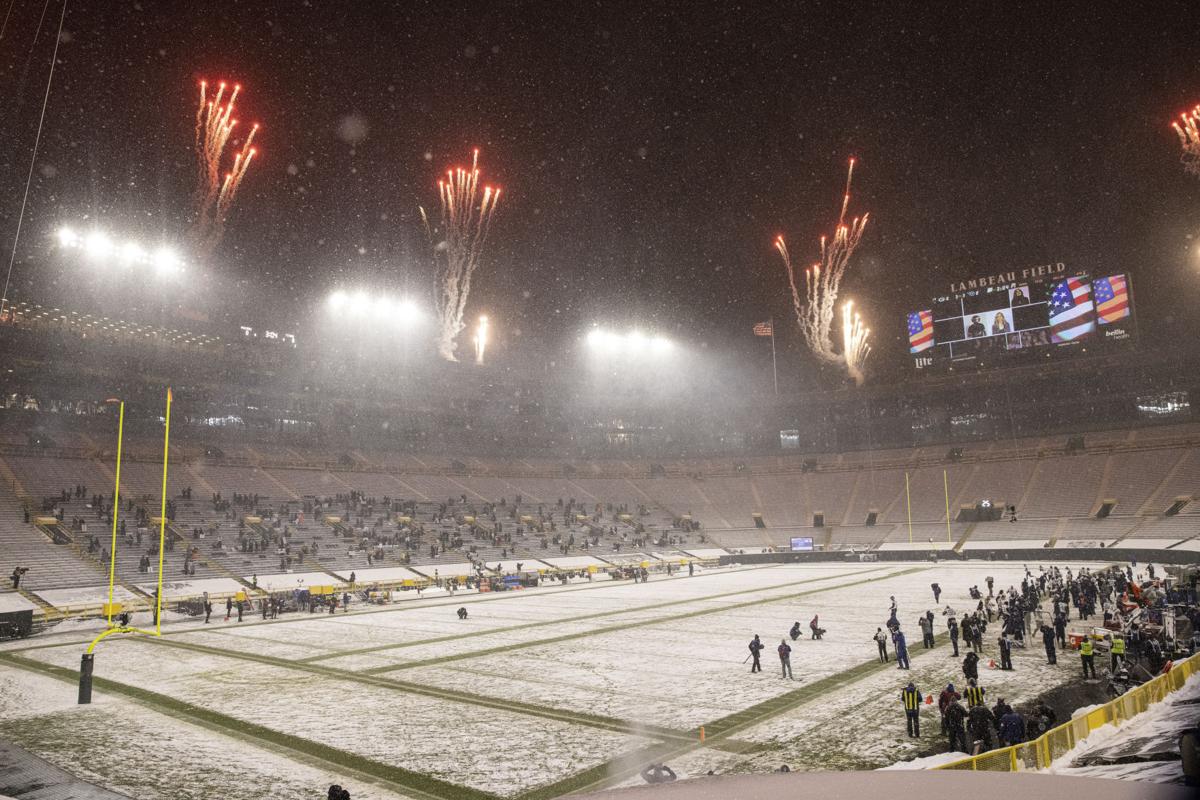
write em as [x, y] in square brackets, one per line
[1037, 312]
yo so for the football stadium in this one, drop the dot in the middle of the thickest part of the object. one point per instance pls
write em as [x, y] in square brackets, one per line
[507, 403]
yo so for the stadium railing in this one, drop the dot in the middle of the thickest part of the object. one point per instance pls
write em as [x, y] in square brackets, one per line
[1054, 743]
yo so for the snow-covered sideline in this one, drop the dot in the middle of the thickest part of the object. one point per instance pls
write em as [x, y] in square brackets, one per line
[1142, 741]
[928, 762]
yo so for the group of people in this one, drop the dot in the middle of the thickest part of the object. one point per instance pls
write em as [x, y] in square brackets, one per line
[1041, 608]
[784, 650]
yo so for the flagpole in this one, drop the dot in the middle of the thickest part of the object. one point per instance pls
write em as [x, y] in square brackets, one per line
[774, 368]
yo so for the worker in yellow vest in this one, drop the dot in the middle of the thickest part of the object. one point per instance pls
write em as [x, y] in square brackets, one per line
[1087, 652]
[974, 694]
[911, 697]
[1117, 651]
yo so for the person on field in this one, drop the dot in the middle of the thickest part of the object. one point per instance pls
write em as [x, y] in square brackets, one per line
[911, 697]
[756, 647]
[785, 658]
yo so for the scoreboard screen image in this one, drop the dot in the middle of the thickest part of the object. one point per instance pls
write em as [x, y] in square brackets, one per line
[1020, 320]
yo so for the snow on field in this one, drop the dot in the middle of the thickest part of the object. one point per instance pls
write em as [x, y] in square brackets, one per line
[660, 664]
[128, 748]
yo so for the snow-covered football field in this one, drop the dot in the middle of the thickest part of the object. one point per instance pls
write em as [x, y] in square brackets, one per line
[538, 693]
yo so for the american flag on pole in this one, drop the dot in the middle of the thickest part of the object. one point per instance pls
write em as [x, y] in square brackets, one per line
[1072, 315]
[920, 331]
[764, 329]
[1112, 298]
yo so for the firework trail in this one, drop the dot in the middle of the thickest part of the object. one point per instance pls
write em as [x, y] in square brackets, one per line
[815, 311]
[215, 194]
[1188, 129]
[457, 242]
[855, 341]
[481, 339]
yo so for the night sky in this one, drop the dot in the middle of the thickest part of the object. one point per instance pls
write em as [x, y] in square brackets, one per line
[648, 152]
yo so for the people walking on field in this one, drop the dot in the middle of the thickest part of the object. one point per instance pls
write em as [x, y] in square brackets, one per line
[926, 626]
[1117, 653]
[1005, 652]
[1087, 652]
[881, 640]
[911, 697]
[945, 699]
[1048, 641]
[952, 625]
[785, 658]
[756, 647]
[228, 608]
[901, 649]
[956, 717]
[970, 666]
[937, 592]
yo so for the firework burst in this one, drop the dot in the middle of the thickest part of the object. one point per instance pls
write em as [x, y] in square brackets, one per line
[1188, 129]
[815, 311]
[215, 193]
[855, 341]
[457, 242]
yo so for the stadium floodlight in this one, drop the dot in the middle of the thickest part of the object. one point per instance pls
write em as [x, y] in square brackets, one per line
[165, 261]
[360, 303]
[635, 343]
[97, 245]
[132, 253]
[407, 312]
[338, 300]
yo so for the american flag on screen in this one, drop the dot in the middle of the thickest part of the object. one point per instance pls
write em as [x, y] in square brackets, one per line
[920, 331]
[764, 329]
[1072, 315]
[1112, 298]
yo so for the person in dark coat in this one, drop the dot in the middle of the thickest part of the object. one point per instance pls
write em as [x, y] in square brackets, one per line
[937, 592]
[756, 647]
[794, 631]
[1048, 641]
[1005, 653]
[1012, 728]
[901, 649]
[970, 667]
[945, 699]
[953, 627]
[981, 726]
[956, 717]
